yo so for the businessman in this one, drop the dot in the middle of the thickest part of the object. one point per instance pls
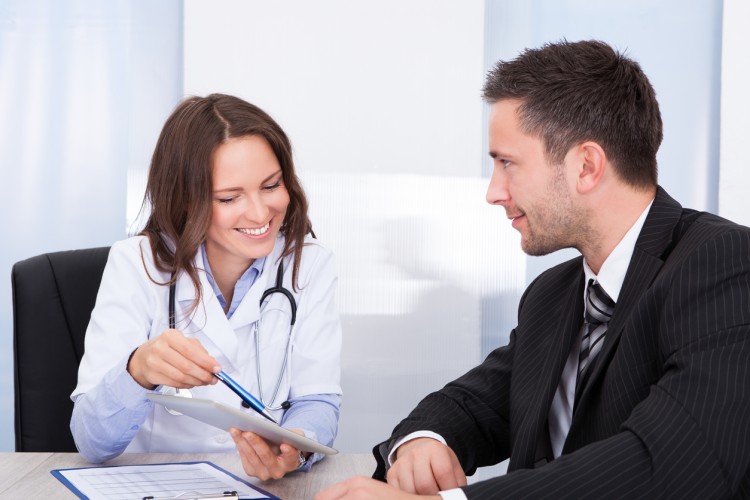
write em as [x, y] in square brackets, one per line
[628, 375]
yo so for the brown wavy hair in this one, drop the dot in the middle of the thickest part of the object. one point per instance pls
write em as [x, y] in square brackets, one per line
[179, 191]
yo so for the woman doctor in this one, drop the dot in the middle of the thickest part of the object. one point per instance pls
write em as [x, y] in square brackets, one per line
[226, 210]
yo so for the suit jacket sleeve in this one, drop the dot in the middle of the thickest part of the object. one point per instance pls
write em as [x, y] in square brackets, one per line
[470, 413]
[688, 438]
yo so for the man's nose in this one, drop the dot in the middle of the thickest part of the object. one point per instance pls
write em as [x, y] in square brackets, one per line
[497, 191]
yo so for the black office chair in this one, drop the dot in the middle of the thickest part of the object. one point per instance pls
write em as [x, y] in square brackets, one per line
[53, 295]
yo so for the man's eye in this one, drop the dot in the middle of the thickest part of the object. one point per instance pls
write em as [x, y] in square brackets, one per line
[506, 163]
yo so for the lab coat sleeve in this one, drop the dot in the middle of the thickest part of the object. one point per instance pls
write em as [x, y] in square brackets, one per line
[109, 405]
[107, 418]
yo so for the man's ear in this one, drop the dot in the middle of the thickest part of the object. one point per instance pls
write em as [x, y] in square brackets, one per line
[593, 163]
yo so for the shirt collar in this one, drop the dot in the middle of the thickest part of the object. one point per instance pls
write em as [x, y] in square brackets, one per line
[240, 288]
[613, 270]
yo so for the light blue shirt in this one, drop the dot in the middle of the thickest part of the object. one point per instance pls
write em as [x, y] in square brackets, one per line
[242, 286]
[108, 418]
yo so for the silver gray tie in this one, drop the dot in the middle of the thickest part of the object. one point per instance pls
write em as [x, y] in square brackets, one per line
[599, 307]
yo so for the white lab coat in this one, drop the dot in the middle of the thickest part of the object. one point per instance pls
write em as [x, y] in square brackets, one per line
[131, 308]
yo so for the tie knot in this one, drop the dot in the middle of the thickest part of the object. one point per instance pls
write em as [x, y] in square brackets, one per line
[599, 305]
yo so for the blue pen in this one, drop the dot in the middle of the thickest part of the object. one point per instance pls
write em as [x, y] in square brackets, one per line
[245, 396]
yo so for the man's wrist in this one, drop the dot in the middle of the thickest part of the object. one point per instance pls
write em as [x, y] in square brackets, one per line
[410, 437]
[454, 494]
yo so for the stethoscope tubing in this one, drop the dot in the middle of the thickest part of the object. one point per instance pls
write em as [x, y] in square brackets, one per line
[278, 288]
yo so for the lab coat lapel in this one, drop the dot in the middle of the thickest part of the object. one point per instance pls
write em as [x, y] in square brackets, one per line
[248, 311]
[207, 322]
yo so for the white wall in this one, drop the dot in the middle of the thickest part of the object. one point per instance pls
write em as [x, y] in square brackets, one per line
[381, 101]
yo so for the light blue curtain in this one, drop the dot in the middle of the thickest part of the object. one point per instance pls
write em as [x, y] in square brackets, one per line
[84, 88]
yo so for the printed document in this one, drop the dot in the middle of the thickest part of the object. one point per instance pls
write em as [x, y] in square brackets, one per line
[176, 480]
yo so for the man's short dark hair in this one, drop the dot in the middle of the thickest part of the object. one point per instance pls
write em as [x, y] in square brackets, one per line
[572, 92]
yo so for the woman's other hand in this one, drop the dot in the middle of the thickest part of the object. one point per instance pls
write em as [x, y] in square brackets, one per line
[263, 460]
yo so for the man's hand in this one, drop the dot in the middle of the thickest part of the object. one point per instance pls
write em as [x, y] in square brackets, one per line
[174, 360]
[425, 466]
[261, 460]
[364, 488]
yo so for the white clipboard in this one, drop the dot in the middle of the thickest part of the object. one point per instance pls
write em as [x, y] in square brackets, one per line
[223, 417]
[175, 481]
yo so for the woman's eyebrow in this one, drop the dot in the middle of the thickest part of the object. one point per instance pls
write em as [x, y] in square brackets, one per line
[237, 189]
[228, 190]
[271, 176]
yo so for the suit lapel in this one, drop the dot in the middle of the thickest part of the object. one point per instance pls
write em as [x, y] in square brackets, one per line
[559, 334]
[653, 241]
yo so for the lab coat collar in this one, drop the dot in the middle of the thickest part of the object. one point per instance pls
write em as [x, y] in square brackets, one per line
[209, 321]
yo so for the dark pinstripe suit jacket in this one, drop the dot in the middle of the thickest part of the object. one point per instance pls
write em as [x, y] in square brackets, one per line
[666, 411]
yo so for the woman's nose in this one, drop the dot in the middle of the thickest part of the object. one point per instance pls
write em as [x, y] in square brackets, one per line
[256, 210]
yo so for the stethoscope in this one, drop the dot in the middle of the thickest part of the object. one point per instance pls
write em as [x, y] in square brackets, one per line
[278, 288]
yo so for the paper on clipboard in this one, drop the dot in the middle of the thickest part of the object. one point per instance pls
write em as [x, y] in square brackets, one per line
[223, 417]
[161, 481]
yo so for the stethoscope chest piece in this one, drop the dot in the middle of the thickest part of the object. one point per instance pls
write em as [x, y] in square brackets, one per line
[171, 391]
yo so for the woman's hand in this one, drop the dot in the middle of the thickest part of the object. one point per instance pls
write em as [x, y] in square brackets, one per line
[174, 360]
[262, 460]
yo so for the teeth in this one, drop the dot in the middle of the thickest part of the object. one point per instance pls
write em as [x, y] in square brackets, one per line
[255, 231]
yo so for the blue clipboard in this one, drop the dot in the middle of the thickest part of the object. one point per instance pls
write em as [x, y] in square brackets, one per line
[184, 495]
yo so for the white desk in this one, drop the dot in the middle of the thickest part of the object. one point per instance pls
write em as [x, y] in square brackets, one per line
[27, 475]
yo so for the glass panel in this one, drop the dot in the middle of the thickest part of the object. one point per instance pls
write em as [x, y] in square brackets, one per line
[84, 88]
